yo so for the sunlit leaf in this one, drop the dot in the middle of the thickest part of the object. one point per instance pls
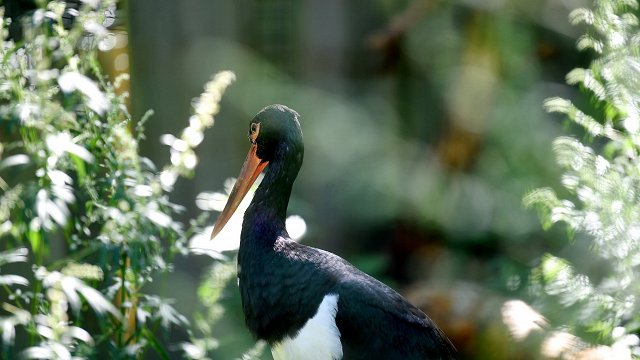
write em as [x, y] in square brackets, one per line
[193, 351]
[80, 152]
[211, 201]
[97, 301]
[158, 217]
[166, 313]
[83, 271]
[80, 166]
[169, 315]
[585, 76]
[137, 348]
[72, 81]
[581, 15]
[588, 42]
[13, 256]
[80, 334]
[45, 331]
[255, 353]
[38, 352]
[8, 324]
[87, 194]
[60, 351]
[62, 142]
[59, 178]
[13, 280]
[14, 160]
[556, 104]
[69, 286]
[8, 331]
[143, 190]
[35, 239]
[602, 181]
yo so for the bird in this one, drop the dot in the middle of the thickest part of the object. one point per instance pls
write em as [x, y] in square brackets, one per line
[307, 303]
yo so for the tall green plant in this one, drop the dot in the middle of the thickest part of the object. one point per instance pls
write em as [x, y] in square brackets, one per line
[602, 185]
[72, 182]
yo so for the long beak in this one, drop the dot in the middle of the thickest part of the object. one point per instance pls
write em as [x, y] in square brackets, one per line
[251, 168]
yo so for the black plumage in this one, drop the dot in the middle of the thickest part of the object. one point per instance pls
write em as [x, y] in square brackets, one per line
[282, 283]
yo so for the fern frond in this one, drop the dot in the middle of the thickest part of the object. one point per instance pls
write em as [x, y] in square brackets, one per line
[581, 15]
[571, 153]
[586, 42]
[605, 182]
[588, 80]
[566, 107]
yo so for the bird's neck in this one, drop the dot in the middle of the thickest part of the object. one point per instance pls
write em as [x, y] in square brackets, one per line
[264, 219]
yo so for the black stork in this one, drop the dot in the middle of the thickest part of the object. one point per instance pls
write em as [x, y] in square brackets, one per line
[305, 302]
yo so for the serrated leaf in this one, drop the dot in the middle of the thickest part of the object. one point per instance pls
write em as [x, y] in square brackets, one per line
[553, 266]
[540, 196]
[587, 42]
[557, 104]
[581, 15]
[586, 78]
[571, 153]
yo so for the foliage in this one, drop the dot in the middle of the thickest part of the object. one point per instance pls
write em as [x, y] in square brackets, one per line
[603, 186]
[72, 182]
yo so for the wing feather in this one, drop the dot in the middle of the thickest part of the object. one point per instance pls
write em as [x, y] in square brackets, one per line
[375, 321]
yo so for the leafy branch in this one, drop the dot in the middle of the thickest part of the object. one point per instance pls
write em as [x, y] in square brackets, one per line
[71, 178]
[603, 183]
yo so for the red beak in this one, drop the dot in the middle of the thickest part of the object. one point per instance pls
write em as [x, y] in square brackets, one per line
[251, 168]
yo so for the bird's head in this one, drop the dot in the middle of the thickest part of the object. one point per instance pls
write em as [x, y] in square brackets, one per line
[274, 134]
[275, 129]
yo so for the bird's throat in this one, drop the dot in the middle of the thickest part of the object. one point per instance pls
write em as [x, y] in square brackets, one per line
[264, 219]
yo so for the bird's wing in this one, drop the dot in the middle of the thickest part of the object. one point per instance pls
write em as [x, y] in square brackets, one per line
[373, 318]
[377, 321]
[360, 287]
[368, 292]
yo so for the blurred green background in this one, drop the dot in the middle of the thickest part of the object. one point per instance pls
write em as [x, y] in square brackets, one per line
[423, 130]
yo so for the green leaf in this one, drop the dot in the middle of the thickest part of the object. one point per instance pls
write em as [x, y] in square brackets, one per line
[586, 78]
[155, 344]
[581, 15]
[553, 266]
[80, 167]
[35, 239]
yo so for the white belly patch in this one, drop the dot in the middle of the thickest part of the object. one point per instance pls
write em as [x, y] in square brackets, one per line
[319, 338]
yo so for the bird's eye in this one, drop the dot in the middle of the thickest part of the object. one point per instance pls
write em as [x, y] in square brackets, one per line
[254, 131]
